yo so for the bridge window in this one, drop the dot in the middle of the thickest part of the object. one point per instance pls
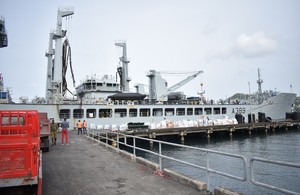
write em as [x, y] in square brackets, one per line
[198, 111]
[190, 111]
[90, 113]
[78, 113]
[105, 113]
[207, 110]
[64, 113]
[180, 111]
[120, 113]
[169, 112]
[157, 112]
[132, 112]
[144, 112]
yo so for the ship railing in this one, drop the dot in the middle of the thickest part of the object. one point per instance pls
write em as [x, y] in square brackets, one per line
[209, 154]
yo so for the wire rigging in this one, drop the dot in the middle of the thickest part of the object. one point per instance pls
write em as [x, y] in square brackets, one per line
[66, 59]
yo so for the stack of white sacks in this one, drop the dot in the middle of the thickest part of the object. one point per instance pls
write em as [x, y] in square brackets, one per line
[203, 121]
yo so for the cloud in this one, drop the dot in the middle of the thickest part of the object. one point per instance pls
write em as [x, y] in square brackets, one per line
[256, 45]
[249, 46]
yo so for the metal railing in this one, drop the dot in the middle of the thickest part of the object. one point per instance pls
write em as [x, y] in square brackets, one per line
[265, 185]
[207, 168]
[100, 134]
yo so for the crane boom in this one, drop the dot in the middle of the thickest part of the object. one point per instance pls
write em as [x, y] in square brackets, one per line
[184, 81]
[158, 87]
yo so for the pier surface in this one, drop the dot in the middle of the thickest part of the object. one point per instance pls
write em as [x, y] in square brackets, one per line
[84, 167]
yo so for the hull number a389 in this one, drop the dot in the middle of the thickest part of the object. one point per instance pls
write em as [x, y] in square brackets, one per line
[239, 110]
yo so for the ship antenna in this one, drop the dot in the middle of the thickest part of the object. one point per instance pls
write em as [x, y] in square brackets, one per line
[259, 82]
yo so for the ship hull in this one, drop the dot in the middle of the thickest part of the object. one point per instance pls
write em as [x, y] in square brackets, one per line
[124, 112]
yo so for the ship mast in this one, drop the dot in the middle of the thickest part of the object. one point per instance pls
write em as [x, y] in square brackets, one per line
[54, 91]
[259, 82]
[123, 71]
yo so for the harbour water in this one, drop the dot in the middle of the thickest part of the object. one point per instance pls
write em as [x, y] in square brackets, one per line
[280, 145]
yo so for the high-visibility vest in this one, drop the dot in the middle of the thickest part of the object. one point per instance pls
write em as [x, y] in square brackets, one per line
[84, 124]
[79, 124]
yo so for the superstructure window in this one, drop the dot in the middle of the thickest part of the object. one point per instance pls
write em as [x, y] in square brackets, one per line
[64, 113]
[132, 112]
[198, 111]
[90, 113]
[120, 113]
[207, 110]
[169, 112]
[180, 111]
[217, 110]
[105, 113]
[224, 111]
[78, 113]
[189, 111]
[157, 112]
[144, 112]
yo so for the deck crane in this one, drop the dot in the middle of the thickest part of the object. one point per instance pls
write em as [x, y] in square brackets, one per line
[55, 81]
[158, 90]
[123, 70]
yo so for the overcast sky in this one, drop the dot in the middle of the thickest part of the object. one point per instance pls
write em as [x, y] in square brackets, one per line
[229, 40]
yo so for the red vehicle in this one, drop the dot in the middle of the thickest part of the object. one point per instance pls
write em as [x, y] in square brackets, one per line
[20, 155]
[44, 131]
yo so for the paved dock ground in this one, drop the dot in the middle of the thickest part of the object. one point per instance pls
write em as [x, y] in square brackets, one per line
[84, 167]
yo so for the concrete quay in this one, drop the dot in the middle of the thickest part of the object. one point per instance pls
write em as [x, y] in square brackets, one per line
[85, 167]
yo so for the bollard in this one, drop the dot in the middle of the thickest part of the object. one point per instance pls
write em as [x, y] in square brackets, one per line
[182, 139]
[230, 131]
[182, 134]
[114, 143]
[210, 131]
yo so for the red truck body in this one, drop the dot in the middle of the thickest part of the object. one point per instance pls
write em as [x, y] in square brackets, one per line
[44, 131]
[20, 156]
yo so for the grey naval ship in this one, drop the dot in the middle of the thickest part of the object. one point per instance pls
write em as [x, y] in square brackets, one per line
[105, 101]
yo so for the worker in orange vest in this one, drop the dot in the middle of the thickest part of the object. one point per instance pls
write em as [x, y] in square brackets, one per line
[79, 127]
[84, 127]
